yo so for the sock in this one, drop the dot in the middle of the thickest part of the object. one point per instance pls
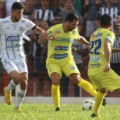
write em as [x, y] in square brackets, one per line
[87, 87]
[11, 86]
[55, 91]
[20, 97]
[98, 102]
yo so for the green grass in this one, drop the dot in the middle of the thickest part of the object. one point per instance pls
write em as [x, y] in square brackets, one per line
[46, 112]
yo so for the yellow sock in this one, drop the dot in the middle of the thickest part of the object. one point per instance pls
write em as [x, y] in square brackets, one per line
[87, 87]
[55, 91]
[98, 102]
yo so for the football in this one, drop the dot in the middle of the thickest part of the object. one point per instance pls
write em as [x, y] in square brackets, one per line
[88, 104]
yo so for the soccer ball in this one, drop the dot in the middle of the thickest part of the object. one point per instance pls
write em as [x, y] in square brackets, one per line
[88, 104]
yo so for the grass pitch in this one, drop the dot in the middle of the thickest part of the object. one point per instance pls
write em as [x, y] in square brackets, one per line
[46, 112]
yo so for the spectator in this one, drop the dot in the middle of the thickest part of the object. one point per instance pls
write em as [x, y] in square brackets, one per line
[91, 9]
[69, 8]
[28, 8]
[57, 19]
[44, 12]
[59, 8]
[2, 9]
[40, 53]
[115, 58]
[110, 9]
[8, 4]
[78, 5]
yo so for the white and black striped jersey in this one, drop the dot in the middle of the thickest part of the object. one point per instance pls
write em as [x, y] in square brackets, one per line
[115, 58]
[11, 37]
[113, 12]
[46, 15]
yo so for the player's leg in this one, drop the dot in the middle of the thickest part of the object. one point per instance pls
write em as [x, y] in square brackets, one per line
[55, 73]
[55, 90]
[87, 86]
[12, 84]
[12, 70]
[22, 67]
[98, 102]
[71, 70]
[111, 83]
[22, 91]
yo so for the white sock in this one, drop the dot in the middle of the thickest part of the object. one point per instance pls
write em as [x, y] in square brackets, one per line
[11, 86]
[20, 97]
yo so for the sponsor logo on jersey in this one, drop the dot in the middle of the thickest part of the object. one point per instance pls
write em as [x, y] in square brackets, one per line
[61, 48]
[95, 59]
[72, 67]
[57, 32]
[13, 38]
[60, 56]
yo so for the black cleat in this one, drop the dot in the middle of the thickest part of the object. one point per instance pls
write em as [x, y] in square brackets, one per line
[104, 103]
[57, 109]
[93, 115]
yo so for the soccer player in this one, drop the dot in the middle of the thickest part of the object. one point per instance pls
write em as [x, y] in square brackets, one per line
[12, 31]
[101, 75]
[60, 58]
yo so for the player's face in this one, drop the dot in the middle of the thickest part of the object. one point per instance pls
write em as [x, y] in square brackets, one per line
[72, 25]
[17, 14]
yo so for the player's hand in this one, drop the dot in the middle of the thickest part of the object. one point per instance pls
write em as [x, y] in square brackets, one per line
[107, 68]
[51, 37]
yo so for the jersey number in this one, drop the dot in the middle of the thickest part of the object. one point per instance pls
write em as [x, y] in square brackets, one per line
[94, 46]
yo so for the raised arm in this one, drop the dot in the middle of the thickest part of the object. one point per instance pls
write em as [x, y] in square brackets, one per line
[82, 40]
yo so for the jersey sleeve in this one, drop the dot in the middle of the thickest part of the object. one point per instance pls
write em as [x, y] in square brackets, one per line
[76, 35]
[50, 31]
[110, 37]
[30, 24]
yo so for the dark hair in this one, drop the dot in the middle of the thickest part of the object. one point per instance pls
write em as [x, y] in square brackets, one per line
[17, 5]
[105, 20]
[71, 17]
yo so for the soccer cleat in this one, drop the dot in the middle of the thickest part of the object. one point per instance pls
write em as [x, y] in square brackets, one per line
[57, 109]
[18, 109]
[104, 103]
[93, 115]
[8, 96]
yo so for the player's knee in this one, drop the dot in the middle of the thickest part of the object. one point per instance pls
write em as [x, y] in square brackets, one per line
[75, 78]
[16, 79]
[103, 90]
[56, 82]
[55, 78]
[24, 84]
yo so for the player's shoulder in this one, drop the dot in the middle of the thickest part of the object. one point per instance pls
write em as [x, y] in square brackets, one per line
[24, 20]
[109, 32]
[57, 27]
[5, 20]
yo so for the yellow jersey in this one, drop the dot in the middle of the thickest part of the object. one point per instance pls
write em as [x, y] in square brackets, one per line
[61, 47]
[97, 58]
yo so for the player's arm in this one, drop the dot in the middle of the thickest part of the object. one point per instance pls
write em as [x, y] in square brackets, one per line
[38, 29]
[107, 53]
[49, 35]
[82, 40]
[45, 37]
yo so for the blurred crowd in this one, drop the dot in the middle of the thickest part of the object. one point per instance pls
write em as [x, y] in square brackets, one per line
[45, 14]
